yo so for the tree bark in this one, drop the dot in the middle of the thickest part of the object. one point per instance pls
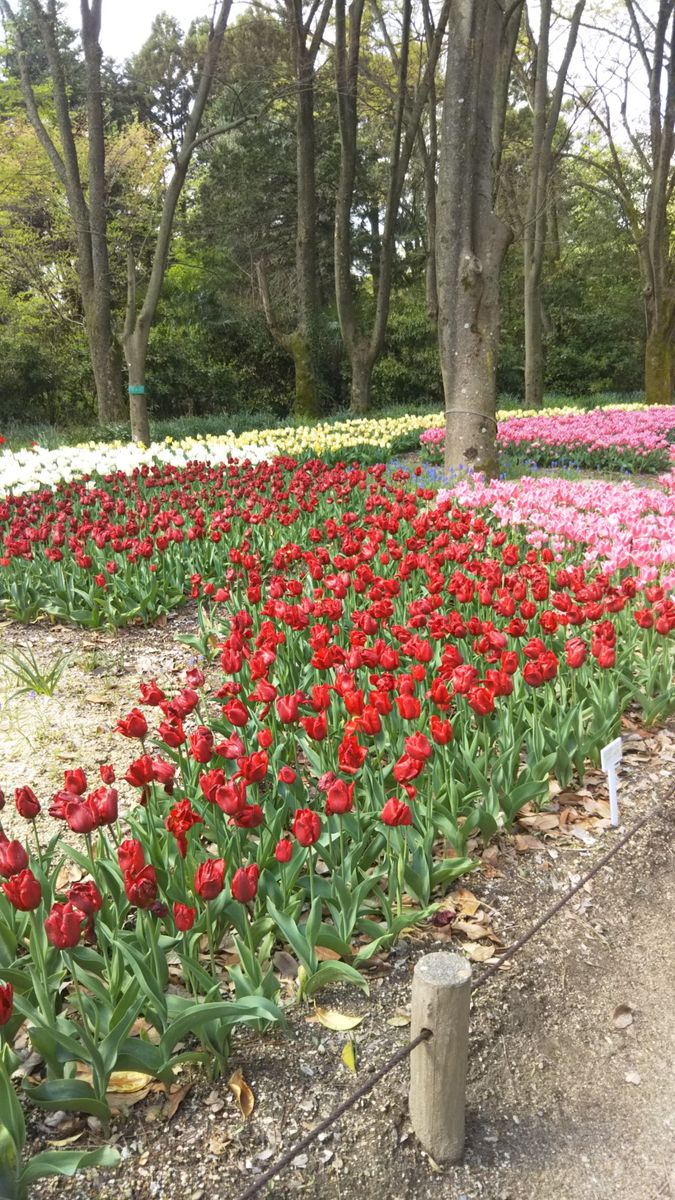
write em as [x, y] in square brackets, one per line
[534, 338]
[546, 109]
[138, 323]
[362, 373]
[471, 238]
[364, 347]
[659, 364]
[88, 215]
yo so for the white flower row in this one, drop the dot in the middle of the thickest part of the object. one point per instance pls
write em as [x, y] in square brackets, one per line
[28, 470]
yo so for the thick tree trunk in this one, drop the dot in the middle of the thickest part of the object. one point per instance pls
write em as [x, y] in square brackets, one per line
[307, 397]
[659, 364]
[362, 373]
[469, 349]
[471, 239]
[106, 361]
[534, 339]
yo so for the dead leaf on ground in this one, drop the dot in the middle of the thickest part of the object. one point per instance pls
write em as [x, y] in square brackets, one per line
[121, 1083]
[348, 1056]
[633, 1077]
[67, 1141]
[479, 953]
[622, 1016]
[98, 698]
[525, 842]
[242, 1093]
[285, 964]
[176, 1098]
[464, 902]
[543, 822]
[339, 1022]
[325, 954]
[399, 1020]
[475, 930]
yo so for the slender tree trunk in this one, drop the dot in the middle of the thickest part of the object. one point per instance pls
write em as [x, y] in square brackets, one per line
[546, 108]
[304, 340]
[534, 336]
[136, 350]
[105, 349]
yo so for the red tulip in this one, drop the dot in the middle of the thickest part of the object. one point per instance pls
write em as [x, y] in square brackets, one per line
[141, 887]
[13, 858]
[6, 1002]
[306, 826]
[245, 883]
[184, 916]
[396, 812]
[209, 878]
[63, 926]
[23, 891]
[134, 725]
[27, 803]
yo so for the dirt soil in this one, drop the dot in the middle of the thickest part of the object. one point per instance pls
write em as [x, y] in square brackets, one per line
[571, 1090]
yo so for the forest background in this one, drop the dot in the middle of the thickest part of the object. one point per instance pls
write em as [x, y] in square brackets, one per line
[223, 339]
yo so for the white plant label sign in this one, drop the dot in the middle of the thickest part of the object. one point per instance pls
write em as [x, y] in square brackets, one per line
[610, 757]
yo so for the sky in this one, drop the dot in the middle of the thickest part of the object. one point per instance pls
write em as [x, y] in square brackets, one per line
[126, 23]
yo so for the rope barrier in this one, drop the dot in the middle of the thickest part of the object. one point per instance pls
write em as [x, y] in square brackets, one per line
[426, 1034]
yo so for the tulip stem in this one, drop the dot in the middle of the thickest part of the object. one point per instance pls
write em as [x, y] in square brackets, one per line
[38, 846]
[41, 979]
[212, 950]
[310, 871]
[249, 934]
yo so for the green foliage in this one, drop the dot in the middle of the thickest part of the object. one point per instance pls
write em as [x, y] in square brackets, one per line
[409, 371]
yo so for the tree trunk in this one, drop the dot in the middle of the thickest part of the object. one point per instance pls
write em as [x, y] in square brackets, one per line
[659, 367]
[469, 364]
[301, 346]
[106, 361]
[534, 339]
[136, 349]
[362, 373]
[304, 341]
[471, 239]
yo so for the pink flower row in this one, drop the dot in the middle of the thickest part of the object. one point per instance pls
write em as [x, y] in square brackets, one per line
[643, 430]
[619, 525]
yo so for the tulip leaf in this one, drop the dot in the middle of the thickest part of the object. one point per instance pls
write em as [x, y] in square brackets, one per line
[72, 1095]
[67, 1162]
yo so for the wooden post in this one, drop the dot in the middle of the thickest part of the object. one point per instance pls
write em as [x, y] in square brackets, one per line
[441, 995]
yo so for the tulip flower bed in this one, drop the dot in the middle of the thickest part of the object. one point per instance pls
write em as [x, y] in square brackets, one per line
[109, 550]
[384, 682]
[605, 439]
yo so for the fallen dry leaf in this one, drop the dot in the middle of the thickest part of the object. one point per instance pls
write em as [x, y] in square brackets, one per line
[543, 822]
[339, 1022]
[121, 1083]
[479, 953]
[348, 1056]
[325, 954]
[285, 964]
[67, 1141]
[399, 1020]
[242, 1093]
[176, 1098]
[464, 902]
[622, 1016]
[525, 841]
